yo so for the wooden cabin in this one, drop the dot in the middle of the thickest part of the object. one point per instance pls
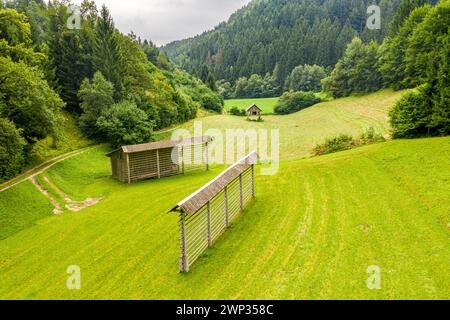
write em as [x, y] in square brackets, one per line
[254, 111]
[152, 160]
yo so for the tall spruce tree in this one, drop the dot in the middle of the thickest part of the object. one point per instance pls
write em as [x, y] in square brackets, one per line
[106, 54]
[403, 12]
[68, 61]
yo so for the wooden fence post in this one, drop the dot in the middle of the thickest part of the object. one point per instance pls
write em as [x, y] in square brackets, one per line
[184, 263]
[207, 156]
[158, 164]
[253, 181]
[241, 198]
[183, 166]
[227, 218]
[129, 168]
[208, 215]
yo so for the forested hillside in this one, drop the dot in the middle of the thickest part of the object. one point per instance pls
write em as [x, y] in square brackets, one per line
[56, 61]
[278, 35]
[415, 55]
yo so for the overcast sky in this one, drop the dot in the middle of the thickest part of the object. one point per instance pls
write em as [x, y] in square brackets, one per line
[164, 21]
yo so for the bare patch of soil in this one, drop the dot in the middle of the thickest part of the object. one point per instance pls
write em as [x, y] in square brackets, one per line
[71, 205]
[58, 209]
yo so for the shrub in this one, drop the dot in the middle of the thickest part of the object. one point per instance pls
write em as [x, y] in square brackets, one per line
[260, 119]
[411, 115]
[124, 123]
[212, 102]
[371, 136]
[306, 78]
[291, 102]
[235, 111]
[11, 150]
[331, 145]
[346, 142]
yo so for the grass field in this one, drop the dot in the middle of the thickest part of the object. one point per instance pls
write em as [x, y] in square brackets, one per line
[300, 132]
[311, 233]
[313, 236]
[267, 105]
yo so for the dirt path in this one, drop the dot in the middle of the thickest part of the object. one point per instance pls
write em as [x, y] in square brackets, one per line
[30, 175]
[41, 168]
[74, 206]
[58, 209]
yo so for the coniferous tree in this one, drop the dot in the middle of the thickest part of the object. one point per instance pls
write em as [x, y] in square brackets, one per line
[441, 98]
[70, 71]
[356, 72]
[288, 33]
[404, 11]
[106, 52]
[392, 63]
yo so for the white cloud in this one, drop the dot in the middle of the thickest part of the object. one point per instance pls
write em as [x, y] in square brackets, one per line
[164, 21]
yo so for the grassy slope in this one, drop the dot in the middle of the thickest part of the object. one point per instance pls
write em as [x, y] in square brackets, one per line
[267, 105]
[21, 207]
[301, 131]
[311, 237]
[71, 139]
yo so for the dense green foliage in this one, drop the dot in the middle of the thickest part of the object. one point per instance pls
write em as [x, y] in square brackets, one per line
[392, 62]
[96, 97]
[286, 33]
[345, 142]
[107, 56]
[403, 12]
[253, 87]
[46, 65]
[125, 124]
[291, 102]
[356, 71]
[11, 149]
[27, 100]
[426, 62]
[305, 78]
[195, 92]
[411, 115]
[235, 111]
[332, 145]
[29, 108]
[417, 55]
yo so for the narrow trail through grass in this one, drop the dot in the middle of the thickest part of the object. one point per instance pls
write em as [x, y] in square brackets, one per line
[310, 237]
[311, 233]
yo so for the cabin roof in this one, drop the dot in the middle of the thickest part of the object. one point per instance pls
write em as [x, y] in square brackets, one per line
[164, 144]
[202, 196]
[253, 106]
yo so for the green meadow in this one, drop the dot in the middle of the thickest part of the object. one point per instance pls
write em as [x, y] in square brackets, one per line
[301, 131]
[311, 233]
[267, 105]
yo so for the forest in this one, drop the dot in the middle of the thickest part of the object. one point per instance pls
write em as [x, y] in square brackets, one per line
[411, 51]
[267, 45]
[268, 36]
[118, 87]
[415, 56]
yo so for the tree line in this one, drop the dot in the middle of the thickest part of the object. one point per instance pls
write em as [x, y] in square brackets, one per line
[274, 37]
[415, 55]
[119, 87]
[306, 78]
